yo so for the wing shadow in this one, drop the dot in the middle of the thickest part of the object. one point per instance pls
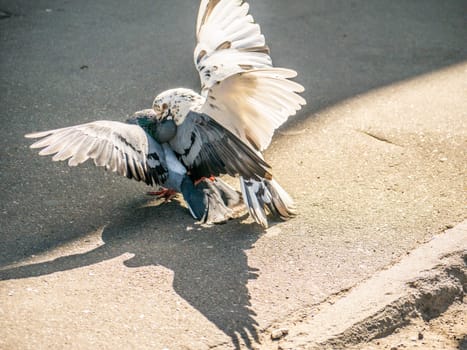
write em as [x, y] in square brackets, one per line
[210, 264]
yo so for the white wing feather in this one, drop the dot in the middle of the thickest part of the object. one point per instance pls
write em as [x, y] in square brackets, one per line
[118, 147]
[244, 93]
[229, 41]
[255, 103]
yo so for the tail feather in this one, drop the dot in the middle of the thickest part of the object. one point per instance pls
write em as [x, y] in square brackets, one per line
[266, 196]
[253, 197]
[215, 202]
[212, 201]
[281, 204]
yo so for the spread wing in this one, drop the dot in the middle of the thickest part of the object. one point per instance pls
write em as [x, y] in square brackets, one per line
[244, 93]
[208, 149]
[119, 147]
[253, 104]
[228, 41]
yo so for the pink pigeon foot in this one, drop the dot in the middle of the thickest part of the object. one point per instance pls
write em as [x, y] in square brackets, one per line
[166, 193]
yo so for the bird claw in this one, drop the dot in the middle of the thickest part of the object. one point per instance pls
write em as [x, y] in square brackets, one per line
[165, 193]
[211, 178]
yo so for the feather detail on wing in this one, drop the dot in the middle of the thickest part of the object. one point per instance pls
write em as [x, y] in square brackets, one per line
[121, 148]
[253, 104]
[244, 92]
[228, 41]
[207, 149]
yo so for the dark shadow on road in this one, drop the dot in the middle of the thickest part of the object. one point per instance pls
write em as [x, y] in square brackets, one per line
[210, 265]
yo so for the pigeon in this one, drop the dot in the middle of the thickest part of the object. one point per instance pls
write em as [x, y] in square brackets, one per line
[187, 140]
[136, 149]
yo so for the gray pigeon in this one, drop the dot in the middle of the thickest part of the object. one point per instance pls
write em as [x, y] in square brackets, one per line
[130, 149]
[188, 139]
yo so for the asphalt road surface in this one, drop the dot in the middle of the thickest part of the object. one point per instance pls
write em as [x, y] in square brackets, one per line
[91, 261]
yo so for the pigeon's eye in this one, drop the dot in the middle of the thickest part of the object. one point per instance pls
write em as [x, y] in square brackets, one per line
[166, 112]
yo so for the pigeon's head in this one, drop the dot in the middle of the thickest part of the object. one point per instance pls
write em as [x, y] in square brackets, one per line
[144, 117]
[175, 104]
[161, 130]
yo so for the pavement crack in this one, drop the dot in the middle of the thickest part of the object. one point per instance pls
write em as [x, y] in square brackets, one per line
[5, 14]
[378, 137]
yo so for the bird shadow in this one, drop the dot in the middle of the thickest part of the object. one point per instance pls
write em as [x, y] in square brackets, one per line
[210, 264]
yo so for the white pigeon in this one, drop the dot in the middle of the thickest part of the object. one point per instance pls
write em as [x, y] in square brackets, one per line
[188, 139]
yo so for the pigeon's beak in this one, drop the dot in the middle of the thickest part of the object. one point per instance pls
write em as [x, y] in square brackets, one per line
[158, 114]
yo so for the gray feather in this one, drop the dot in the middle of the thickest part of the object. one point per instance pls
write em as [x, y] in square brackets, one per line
[208, 149]
[265, 195]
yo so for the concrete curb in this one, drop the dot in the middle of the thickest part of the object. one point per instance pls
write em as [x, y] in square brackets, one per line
[423, 284]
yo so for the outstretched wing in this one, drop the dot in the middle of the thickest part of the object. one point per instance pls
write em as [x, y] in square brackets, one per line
[253, 104]
[228, 41]
[244, 93]
[207, 149]
[121, 148]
